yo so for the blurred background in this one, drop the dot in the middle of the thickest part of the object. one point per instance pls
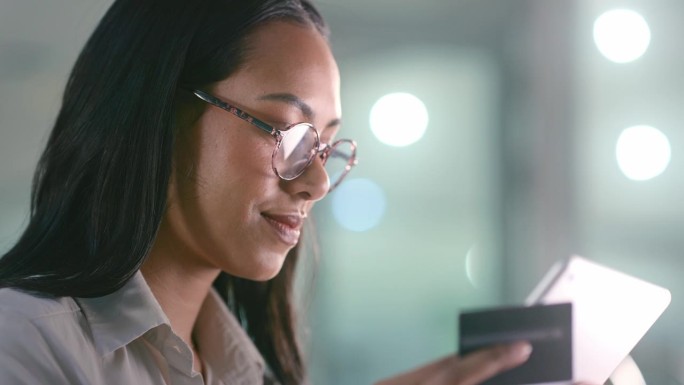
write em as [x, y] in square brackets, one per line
[495, 138]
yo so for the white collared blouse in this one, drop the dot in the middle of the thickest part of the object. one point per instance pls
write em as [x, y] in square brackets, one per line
[121, 338]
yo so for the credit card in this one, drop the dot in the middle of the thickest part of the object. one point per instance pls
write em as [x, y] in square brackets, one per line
[547, 327]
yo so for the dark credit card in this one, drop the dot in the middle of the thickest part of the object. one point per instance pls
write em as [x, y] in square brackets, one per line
[547, 327]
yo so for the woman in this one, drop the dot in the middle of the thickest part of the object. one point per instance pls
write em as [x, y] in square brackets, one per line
[173, 188]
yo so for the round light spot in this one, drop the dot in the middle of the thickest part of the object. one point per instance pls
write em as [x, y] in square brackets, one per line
[399, 119]
[358, 204]
[621, 35]
[627, 373]
[472, 265]
[642, 152]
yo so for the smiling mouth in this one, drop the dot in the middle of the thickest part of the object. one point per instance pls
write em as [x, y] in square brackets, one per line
[286, 227]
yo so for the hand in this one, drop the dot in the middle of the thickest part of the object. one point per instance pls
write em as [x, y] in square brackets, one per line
[471, 369]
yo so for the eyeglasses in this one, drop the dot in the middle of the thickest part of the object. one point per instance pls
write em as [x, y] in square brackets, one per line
[297, 146]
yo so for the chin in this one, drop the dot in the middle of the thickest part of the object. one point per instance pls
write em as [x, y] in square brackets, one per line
[269, 267]
[264, 277]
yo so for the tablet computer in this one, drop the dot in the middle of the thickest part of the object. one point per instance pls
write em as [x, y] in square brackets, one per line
[611, 312]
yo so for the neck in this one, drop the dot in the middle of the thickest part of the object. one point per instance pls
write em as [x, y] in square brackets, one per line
[179, 286]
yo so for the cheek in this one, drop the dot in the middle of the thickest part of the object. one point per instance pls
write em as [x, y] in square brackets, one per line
[243, 158]
[232, 166]
[216, 198]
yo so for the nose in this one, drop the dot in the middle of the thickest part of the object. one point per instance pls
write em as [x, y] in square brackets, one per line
[313, 184]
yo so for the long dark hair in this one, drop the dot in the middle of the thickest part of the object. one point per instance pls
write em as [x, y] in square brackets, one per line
[99, 191]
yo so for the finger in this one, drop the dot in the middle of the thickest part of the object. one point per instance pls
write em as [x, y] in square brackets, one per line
[417, 376]
[478, 366]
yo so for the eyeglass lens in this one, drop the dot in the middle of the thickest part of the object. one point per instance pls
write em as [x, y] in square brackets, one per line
[295, 151]
[297, 148]
[339, 162]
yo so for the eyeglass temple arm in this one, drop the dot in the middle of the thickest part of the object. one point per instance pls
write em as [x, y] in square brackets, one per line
[235, 111]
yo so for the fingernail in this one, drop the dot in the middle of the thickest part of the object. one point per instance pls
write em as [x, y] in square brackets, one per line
[522, 350]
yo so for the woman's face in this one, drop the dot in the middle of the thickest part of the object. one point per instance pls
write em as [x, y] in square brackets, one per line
[227, 209]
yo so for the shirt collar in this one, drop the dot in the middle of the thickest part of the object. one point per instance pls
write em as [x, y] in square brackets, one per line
[119, 318]
[224, 345]
[130, 312]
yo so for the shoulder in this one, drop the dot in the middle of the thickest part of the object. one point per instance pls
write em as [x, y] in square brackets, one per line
[28, 317]
[40, 338]
[19, 304]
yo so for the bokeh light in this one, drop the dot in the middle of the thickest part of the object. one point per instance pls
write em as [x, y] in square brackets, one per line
[642, 152]
[358, 204]
[399, 119]
[472, 265]
[627, 373]
[621, 35]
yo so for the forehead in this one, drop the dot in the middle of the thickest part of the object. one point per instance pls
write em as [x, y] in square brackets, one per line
[299, 45]
[287, 57]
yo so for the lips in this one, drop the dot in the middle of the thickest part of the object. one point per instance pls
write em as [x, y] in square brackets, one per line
[286, 226]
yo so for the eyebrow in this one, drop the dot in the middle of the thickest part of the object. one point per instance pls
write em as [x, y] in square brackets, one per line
[294, 100]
